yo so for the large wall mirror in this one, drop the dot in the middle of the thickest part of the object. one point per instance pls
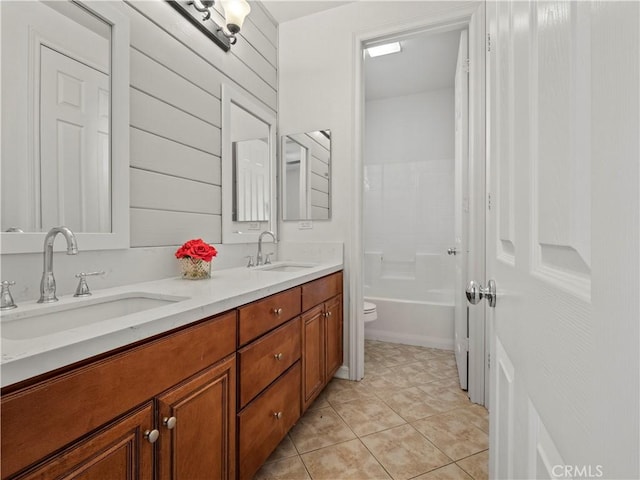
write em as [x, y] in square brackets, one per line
[248, 168]
[65, 123]
[306, 175]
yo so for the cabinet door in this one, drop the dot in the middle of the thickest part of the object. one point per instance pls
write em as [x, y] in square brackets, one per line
[333, 335]
[117, 451]
[313, 373]
[196, 420]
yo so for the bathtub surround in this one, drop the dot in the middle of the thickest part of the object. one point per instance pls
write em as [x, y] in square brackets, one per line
[420, 323]
[408, 214]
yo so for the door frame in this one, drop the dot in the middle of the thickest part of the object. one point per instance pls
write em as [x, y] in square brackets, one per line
[456, 17]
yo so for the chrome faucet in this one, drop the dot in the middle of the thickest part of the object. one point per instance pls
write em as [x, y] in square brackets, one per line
[259, 256]
[48, 282]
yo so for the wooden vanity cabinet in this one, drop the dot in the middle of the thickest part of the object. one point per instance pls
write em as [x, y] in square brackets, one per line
[216, 397]
[268, 376]
[196, 421]
[70, 421]
[313, 339]
[333, 336]
[116, 451]
[322, 334]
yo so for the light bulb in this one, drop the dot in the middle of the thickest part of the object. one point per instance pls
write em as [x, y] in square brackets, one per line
[235, 11]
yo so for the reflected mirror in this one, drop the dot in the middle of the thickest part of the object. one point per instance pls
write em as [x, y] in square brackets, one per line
[306, 176]
[248, 157]
[59, 83]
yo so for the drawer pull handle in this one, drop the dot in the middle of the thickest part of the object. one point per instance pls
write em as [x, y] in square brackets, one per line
[278, 356]
[277, 415]
[151, 435]
[277, 311]
[169, 422]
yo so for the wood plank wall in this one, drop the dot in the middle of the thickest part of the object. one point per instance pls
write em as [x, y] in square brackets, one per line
[176, 78]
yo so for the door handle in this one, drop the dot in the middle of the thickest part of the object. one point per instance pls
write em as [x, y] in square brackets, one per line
[452, 251]
[475, 293]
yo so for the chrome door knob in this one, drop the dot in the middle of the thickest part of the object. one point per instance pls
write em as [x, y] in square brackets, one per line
[475, 293]
[452, 251]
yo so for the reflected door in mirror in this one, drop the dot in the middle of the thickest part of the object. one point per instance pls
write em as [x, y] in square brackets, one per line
[75, 173]
[251, 176]
[56, 125]
[251, 166]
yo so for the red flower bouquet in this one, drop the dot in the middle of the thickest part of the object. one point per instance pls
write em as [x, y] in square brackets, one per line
[197, 249]
[195, 259]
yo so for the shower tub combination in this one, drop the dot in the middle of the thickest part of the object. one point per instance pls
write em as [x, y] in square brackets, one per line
[414, 300]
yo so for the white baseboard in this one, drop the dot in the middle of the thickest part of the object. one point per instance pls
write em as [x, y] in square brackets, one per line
[343, 373]
[408, 339]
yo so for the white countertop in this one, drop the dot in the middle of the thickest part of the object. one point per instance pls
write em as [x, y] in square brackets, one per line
[225, 290]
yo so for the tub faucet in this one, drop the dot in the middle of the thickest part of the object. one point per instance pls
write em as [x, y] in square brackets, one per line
[259, 256]
[48, 282]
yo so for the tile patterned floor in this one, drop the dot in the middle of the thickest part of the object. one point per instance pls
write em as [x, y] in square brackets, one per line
[407, 419]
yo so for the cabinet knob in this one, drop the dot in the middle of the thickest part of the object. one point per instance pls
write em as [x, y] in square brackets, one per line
[277, 311]
[169, 422]
[278, 356]
[328, 314]
[277, 415]
[151, 435]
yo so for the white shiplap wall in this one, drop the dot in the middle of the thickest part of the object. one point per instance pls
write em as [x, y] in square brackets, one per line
[176, 75]
[176, 190]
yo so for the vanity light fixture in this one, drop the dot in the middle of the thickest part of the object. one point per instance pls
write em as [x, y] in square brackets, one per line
[386, 49]
[198, 12]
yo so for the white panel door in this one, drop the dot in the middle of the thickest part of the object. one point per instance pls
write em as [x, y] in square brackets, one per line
[74, 127]
[461, 207]
[562, 238]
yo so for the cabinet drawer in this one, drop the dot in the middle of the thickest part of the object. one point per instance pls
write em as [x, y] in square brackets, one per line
[261, 316]
[320, 290]
[266, 420]
[262, 361]
[44, 417]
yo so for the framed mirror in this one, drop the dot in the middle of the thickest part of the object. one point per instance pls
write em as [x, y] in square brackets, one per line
[306, 176]
[248, 166]
[65, 124]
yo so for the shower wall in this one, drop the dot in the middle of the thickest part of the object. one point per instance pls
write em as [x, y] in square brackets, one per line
[409, 182]
[409, 205]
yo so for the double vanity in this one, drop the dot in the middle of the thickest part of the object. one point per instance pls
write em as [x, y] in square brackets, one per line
[171, 378]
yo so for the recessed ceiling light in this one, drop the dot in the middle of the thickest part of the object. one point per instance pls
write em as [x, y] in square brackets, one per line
[385, 49]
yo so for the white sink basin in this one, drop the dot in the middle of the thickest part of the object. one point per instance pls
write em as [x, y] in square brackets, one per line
[55, 318]
[287, 267]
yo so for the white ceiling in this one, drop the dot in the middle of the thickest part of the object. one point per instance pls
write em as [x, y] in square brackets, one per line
[427, 62]
[285, 10]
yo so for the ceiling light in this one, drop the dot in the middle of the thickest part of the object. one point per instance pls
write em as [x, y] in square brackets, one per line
[385, 49]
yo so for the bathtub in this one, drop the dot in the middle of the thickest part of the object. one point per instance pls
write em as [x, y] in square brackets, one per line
[413, 318]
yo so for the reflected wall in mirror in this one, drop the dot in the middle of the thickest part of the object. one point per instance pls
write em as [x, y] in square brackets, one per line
[64, 123]
[248, 165]
[306, 176]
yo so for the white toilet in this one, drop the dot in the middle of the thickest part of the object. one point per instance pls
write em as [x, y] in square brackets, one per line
[370, 312]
